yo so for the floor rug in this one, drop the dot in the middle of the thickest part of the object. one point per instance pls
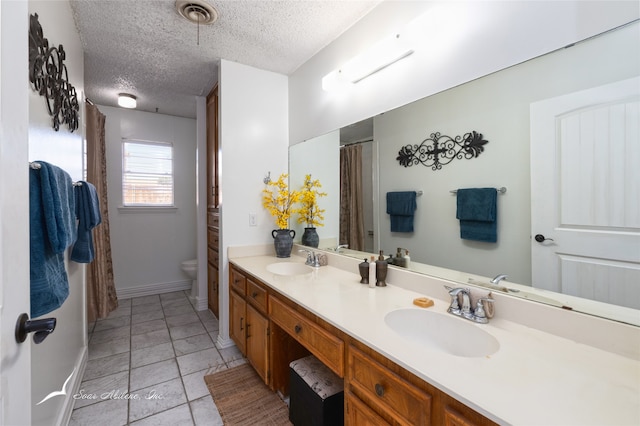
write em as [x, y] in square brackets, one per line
[243, 399]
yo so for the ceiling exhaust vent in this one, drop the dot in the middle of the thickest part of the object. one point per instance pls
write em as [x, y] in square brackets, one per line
[196, 11]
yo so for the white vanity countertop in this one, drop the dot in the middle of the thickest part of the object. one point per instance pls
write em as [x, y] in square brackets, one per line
[535, 378]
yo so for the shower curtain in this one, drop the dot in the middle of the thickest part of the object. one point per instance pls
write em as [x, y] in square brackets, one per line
[351, 215]
[101, 290]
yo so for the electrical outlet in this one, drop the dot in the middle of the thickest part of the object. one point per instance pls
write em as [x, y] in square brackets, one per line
[252, 219]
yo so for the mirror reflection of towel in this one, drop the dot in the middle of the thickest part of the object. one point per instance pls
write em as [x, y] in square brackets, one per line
[401, 207]
[478, 212]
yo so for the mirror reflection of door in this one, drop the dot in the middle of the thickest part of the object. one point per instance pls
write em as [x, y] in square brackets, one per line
[585, 187]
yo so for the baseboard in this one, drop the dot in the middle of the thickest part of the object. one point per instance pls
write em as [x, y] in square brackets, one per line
[150, 289]
[74, 386]
[199, 303]
[224, 343]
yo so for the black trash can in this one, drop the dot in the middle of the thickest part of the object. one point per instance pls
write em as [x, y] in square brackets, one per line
[316, 394]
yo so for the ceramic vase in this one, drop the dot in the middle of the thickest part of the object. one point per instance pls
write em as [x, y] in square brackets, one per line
[310, 237]
[283, 241]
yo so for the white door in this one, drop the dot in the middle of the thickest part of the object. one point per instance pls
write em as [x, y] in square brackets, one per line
[15, 359]
[585, 193]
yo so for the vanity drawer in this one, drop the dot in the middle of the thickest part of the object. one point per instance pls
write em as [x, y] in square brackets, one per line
[257, 295]
[237, 281]
[400, 400]
[328, 348]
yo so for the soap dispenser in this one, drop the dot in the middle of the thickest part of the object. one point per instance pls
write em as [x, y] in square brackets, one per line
[381, 270]
[400, 259]
[364, 272]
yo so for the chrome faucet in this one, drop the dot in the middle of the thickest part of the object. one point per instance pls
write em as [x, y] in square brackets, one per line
[312, 258]
[340, 246]
[499, 278]
[479, 314]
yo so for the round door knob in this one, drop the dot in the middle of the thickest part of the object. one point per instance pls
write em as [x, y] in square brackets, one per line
[297, 328]
[541, 238]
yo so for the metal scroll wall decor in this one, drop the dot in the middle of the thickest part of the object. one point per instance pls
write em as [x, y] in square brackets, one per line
[48, 76]
[439, 150]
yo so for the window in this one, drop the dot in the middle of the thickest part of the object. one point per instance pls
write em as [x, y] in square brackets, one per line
[147, 174]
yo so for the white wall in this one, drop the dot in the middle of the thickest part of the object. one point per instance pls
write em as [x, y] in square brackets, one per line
[148, 246]
[459, 41]
[54, 359]
[254, 141]
[320, 158]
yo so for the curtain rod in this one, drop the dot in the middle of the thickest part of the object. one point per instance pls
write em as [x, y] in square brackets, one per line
[356, 143]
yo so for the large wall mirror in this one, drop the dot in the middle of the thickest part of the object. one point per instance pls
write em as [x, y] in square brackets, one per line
[555, 182]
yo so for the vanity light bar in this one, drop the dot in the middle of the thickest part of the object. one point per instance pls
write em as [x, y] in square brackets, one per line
[380, 56]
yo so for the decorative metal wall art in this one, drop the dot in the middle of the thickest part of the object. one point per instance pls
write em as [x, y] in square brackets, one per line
[439, 150]
[48, 76]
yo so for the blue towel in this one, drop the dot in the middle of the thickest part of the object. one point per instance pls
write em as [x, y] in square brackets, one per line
[51, 231]
[88, 214]
[401, 207]
[478, 213]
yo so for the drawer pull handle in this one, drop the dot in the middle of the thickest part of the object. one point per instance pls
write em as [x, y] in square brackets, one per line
[254, 294]
[241, 326]
[297, 328]
[379, 389]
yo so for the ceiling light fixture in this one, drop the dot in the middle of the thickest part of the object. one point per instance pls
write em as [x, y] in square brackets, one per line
[126, 100]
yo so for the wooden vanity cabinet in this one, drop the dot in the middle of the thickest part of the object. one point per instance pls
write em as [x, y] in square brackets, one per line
[248, 323]
[271, 331]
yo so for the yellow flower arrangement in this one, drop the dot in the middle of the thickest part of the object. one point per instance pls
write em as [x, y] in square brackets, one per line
[278, 200]
[310, 213]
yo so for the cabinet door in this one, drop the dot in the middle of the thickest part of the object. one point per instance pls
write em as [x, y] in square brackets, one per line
[237, 321]
[213, 289]
[258, 342]
[358, 414]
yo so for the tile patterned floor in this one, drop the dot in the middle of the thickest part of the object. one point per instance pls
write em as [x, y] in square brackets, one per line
[146, 365]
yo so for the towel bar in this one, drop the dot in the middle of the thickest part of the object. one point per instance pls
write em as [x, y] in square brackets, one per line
[501, 190]
[37, 166]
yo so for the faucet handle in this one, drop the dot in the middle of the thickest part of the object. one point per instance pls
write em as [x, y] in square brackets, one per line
[480, 314]
[454, 308]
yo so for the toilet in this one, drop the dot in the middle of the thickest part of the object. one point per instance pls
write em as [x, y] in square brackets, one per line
[190, 267]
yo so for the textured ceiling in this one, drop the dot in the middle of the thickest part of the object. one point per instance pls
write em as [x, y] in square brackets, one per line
[146, 48]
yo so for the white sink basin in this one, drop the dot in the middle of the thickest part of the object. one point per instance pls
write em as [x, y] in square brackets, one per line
[289, 268]
[444, 332]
